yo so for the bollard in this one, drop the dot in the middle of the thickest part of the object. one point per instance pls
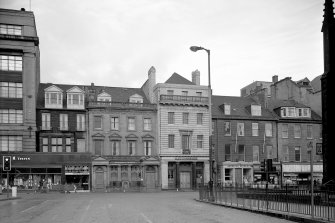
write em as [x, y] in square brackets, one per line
[14, 191]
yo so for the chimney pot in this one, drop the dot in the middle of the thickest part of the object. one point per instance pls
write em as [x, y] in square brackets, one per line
[196, 77]
[275, 78]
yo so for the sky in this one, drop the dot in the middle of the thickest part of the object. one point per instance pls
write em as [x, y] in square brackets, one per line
[115, 42]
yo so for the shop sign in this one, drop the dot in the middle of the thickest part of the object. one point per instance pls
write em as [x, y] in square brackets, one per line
[187, 158]
[21, 158]
[77, 170]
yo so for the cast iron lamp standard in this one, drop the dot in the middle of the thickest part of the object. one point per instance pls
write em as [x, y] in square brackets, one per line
[195, 49]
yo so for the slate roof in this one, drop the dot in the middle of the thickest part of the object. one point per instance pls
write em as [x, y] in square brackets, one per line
[275, 104]
[316, 84]
[238, 108]
[118, 94]
[178, 79]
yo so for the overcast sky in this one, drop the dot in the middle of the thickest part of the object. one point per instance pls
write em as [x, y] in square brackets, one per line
[115, 42]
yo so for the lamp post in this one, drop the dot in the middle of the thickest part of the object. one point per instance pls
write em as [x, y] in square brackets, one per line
[310, 150]
[195, 49]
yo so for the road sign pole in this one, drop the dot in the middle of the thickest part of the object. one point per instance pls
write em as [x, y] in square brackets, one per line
[7, 184]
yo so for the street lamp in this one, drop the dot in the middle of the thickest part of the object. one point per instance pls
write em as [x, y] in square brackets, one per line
[195, 49]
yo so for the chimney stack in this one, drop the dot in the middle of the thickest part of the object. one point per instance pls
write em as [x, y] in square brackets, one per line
[274, 78]
[196, 77]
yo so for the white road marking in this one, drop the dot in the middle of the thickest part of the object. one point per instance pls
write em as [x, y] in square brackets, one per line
[146, 218]
[89, 205]
[29, 209]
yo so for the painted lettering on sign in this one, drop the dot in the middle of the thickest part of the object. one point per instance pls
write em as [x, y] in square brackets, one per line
[19, 158]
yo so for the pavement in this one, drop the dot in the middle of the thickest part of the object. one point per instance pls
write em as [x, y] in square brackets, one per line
[279, 214]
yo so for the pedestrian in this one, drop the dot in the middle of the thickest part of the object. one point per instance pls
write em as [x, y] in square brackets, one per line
[75, 188]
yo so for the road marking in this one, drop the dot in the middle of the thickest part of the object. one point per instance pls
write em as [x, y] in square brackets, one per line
[28, 209]
[146, 218]
[89, 205]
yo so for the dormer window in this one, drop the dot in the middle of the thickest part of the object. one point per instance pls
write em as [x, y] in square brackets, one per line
[75, 98]
[136, 98]
[288, 112]
[304, 112]
[226, 109]
[293, 112]
[256, 110]
[104, 97]
[53, 97]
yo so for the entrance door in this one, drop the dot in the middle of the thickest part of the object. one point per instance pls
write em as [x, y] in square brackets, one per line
[99, 180]
[185, 180]
[238, 175]
[150, 180]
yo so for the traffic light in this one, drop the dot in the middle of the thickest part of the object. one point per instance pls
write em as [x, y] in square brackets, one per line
[6, 163]
[269, 165]
[263, 165]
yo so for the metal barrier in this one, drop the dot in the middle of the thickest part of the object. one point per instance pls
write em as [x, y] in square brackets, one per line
[284, 200]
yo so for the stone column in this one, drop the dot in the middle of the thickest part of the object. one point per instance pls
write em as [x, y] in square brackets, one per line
[177, 175]
[194, 176]
[119, 173]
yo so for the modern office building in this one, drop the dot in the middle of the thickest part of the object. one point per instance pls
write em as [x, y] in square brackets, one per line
[19, 80]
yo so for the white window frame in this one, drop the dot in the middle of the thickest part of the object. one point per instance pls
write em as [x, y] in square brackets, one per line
[115, 147]
[297, 131]
[200, 141]
[115, 123]
[200, 117]
[297, 149]
[240, 129]
[131, 125]
[80, 122]
[171, 141]
[63, 122]
[147, 124]
[71, 102]
[227, 109]
[147, 147]
[171, 118]
[49, 99]
[309, 131]
[8, 29]
[285, 136]
[255, 128]
[46, 125]
[131, 145]
[268, 129]
[11, 63]
[95, 118]
[256, 110]
[255, 153]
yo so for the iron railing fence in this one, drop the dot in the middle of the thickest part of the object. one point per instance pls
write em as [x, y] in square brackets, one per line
[285, 200]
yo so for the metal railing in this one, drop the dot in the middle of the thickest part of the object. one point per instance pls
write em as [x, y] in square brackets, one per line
[180, 98]
[288, 201]
[110, 104]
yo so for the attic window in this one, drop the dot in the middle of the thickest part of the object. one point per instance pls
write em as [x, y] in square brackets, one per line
[226, 109]
[136, 99]
[256, 110]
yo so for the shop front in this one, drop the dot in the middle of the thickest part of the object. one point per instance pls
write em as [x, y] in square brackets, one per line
[126, 173]
[237, 173]
[300, 173]
[184, 172]
[53, 171]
